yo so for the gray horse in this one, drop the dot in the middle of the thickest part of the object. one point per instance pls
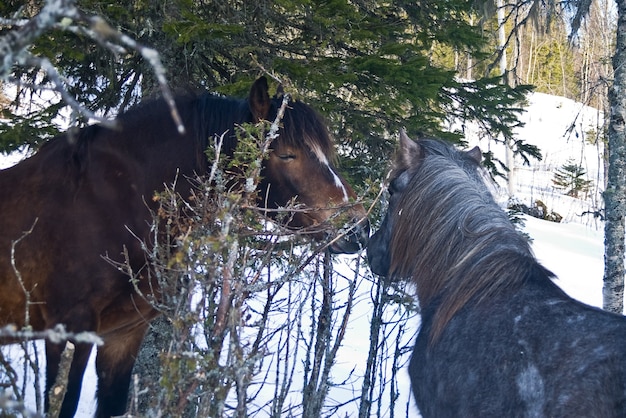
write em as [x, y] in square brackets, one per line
[498, 338]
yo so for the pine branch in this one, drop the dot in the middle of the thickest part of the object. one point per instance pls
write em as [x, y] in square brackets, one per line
[64, 15]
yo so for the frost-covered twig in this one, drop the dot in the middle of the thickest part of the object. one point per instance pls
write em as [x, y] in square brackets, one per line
[56, 335]
[64, 15]
[59, 86]
[18, 274]
[14, 43]
[217, 147]
[101, 27]
[273, 132]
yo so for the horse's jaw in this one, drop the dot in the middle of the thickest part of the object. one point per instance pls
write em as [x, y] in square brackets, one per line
[354, 241]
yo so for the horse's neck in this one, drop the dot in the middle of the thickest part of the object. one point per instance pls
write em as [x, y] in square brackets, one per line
[135, 157]
[163, 156]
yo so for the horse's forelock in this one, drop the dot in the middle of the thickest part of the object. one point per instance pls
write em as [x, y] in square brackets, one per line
[303, 127]
[448, 234]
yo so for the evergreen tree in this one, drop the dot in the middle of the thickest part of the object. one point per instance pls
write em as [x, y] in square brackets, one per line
[571, 178]
[367, 65]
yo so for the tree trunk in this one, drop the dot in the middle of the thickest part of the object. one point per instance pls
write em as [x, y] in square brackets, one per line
[614, 197]
[148, 364]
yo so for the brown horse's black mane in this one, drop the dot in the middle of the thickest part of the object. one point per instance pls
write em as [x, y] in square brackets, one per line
[204, 115]
[200, 115]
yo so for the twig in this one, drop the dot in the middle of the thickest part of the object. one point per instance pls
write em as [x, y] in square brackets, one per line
[56, 335]
[15, 42]
[59, 86]
[101, 27]
[217, 146]
[271, 74]
[226, 296]
[60, 14]
[18, 274]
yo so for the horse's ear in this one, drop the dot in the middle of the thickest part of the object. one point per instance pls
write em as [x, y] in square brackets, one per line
[259, 99]
[475, 154]
[409, 152]
[279, 92]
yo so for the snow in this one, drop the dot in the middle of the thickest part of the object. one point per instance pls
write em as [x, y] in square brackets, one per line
[563, 130]
[573, 250]
[10, 160]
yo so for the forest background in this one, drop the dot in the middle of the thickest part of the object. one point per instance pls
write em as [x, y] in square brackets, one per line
[369, 67]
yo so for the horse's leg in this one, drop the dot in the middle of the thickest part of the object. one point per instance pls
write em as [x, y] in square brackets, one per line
[114, 365]
[75, 377]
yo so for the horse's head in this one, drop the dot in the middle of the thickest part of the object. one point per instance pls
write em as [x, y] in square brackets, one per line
[408, 159]
[408, 155]
[299, 169]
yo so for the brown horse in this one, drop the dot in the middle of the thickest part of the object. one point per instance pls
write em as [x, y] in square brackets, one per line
[86, 196]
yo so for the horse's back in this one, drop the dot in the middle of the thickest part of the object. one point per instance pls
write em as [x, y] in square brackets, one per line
[535, 353]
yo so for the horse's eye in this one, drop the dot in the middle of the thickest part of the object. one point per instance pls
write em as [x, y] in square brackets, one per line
[393, 187]
[287, 157]
[399, 183]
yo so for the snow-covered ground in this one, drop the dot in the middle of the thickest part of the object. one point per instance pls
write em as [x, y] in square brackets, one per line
[573, 250]
[563, 130]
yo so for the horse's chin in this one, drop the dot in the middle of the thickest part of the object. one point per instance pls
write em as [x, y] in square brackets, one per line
[343, 246]
[355, 241]
[378, 265]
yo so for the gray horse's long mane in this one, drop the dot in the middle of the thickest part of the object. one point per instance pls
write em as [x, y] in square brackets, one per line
[450, 237]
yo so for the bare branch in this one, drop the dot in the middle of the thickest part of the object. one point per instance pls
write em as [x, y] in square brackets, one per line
[57, 335]
[18, 274]
[101, 27]
[59, 86]
[64, 15]
[13, 45]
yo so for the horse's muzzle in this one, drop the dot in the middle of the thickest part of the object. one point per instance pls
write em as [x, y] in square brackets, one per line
[355, 240]
[378, 255]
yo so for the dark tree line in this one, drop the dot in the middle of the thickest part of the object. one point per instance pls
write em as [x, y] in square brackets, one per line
[369, 67]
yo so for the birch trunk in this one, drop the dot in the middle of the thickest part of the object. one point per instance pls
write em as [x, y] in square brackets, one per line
[614, 196]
